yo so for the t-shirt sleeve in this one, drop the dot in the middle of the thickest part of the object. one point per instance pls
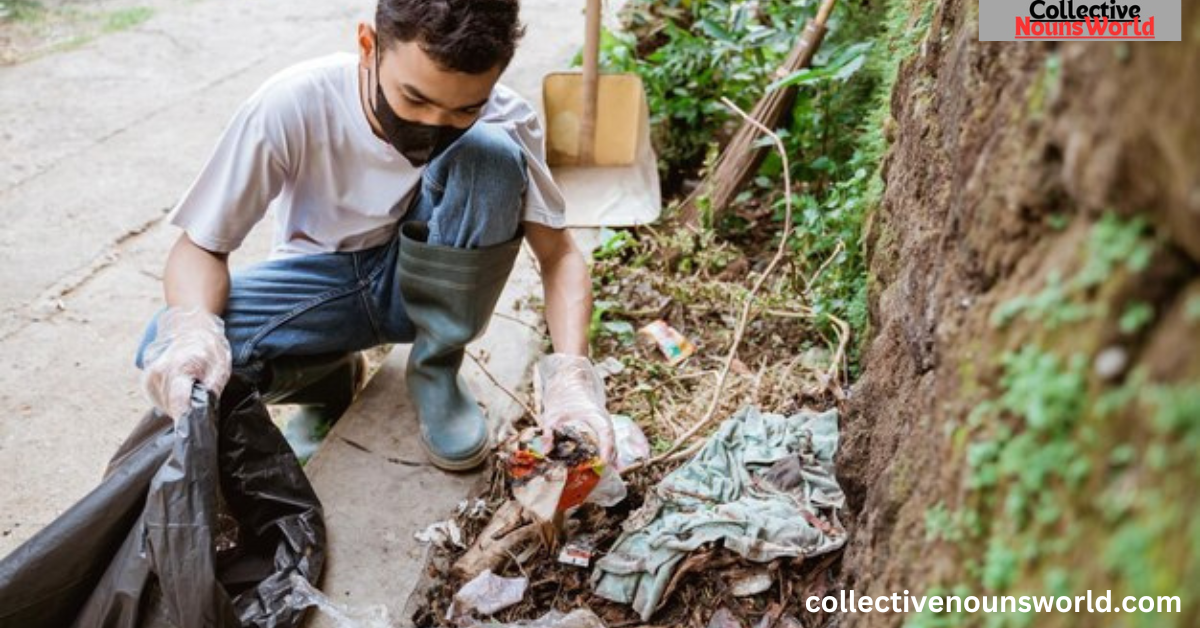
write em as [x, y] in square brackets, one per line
[246, 170]
[544, 202]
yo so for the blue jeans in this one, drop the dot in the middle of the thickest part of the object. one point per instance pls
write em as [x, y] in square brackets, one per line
[471, 196]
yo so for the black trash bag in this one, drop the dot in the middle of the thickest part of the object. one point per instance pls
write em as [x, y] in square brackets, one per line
[138, 551]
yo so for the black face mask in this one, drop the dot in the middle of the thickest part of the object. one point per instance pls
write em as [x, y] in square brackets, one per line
[419, 143]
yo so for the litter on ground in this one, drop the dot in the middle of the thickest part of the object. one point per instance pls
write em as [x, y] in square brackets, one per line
[763, 484]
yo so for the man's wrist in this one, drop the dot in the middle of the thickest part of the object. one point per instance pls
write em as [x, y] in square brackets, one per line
[579, 352]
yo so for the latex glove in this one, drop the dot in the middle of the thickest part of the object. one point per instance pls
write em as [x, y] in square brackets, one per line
[573, 395]
[190, 347]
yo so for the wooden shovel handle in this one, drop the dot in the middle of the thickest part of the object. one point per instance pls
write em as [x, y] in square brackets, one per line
[824, 11]
[591, 84]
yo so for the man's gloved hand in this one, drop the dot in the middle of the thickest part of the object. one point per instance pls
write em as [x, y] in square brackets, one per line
[190, 347]
[573, 395]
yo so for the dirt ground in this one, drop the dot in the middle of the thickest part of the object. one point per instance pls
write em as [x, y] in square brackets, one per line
[1005, 158]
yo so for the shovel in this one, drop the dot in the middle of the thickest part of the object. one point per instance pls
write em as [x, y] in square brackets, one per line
[597, 140]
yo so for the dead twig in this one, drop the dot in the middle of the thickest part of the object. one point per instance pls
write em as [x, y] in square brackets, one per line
[804, 312]
[808, 283]
[693, 375]
[841, 329]
[517, 562]
[537, 330]
[478, 362]
[740, 329]
[686, 453]
[843, 333]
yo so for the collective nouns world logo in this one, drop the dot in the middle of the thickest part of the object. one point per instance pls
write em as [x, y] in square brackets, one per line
[1065, 20]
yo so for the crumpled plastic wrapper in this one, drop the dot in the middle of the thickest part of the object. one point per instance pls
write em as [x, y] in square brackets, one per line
[571, 460]
[486, 594]
[548, 482]
[631, 442]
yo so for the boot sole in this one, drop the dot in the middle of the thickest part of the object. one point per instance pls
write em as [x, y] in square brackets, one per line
[459, 464]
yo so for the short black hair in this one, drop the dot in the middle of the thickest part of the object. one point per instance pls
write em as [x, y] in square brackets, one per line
[471, 36]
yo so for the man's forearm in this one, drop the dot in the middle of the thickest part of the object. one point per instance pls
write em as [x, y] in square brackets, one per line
[195, 277]
[568, 292]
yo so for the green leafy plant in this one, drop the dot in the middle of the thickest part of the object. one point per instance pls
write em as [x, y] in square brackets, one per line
[599, 309]
[122, 19]
[612, 243]
[691, 54]
[1191, 311]
[842, 64]
[1113, 244]
[1135, 317]
[21, 10]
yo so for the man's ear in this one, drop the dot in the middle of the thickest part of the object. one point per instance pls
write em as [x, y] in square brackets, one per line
[366, 46]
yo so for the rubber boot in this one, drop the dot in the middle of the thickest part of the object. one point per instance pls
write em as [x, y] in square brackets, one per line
[323, 386]
[449, 294]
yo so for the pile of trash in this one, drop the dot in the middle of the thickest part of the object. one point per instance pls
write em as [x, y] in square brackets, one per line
[756, 501]
[762, 486]
[210, 521]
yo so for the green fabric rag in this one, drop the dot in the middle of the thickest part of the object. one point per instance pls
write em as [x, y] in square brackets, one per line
[763, 484]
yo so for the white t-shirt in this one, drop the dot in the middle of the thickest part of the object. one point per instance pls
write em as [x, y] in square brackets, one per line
[302, 146]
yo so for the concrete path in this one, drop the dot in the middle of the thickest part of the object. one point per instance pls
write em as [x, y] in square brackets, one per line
[96, 144]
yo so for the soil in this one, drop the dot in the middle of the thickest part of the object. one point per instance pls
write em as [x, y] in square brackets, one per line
[996, 147]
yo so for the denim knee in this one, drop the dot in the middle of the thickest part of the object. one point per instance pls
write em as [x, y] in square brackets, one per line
[490, 146]
[472, 195]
